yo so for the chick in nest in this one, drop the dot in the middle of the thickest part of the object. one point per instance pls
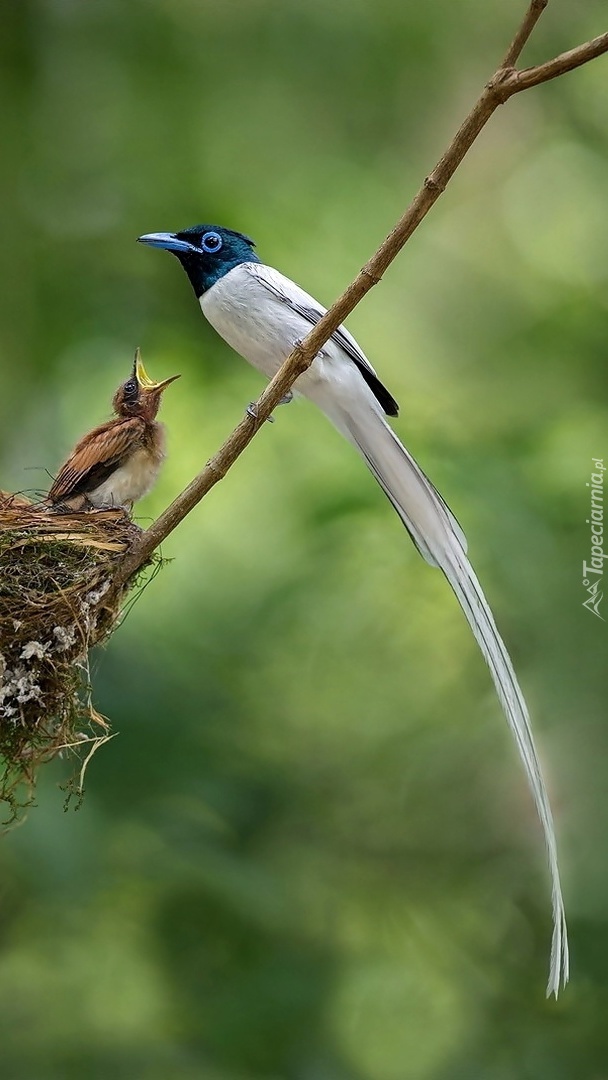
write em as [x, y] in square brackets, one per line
[118, 462]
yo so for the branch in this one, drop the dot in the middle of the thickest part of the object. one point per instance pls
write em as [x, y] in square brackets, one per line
[531, 18]
[506, 82]
[528, 77]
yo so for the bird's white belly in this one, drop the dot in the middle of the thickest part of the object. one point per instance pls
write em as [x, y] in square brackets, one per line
[243, 313]
[255, 324]
[264, 330]
[129, 482]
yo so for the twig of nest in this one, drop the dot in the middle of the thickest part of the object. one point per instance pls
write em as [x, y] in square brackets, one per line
[56, 602]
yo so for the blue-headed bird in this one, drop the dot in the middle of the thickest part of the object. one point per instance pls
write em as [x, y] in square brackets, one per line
[262, 314]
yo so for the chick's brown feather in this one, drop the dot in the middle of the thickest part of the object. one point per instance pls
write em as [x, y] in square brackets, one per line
[96, 456]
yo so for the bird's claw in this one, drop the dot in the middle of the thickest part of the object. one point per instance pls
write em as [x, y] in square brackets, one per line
[252, 411]
[252, 408]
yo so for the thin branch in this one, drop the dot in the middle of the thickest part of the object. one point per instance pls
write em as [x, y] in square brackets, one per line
[531, 18]
[504, 84]
[568, 61]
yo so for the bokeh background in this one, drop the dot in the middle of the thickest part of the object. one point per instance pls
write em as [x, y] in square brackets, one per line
[310, 854]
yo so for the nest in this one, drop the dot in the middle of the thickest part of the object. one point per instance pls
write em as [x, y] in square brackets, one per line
[56, 602]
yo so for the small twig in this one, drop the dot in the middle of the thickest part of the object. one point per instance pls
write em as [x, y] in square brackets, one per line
[505, 82]
[83, 742]
[97, 743]
[567, 61]
[530, 20]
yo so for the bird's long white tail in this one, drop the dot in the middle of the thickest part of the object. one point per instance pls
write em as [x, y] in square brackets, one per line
[440, 540]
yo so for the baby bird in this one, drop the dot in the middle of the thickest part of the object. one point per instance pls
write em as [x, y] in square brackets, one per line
[118, 462]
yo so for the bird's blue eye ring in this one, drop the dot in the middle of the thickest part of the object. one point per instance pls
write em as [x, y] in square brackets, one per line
[211, 242]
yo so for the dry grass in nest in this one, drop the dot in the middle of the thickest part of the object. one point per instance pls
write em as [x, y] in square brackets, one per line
[56, 602]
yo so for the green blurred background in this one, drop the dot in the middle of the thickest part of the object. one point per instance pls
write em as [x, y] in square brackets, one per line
[311, 853]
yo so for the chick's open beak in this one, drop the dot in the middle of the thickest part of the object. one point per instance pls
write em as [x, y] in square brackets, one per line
[144, 379]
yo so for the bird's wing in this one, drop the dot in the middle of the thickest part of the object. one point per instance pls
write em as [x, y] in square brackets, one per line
[96, 457]
[310, 309]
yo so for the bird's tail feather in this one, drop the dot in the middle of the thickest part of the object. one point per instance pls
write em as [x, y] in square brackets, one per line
[439, 539]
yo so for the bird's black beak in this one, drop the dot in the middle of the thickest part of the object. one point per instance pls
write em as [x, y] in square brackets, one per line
[168, 241]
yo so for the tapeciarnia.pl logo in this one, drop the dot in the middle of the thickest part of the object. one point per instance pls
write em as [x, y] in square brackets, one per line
[593, 571]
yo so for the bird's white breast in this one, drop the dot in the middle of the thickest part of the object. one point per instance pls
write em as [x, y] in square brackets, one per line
[251, 320]
[130, 482]
[263, 328]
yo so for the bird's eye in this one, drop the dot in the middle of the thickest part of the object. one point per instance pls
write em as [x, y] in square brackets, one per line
[131, 390]
[211, 242]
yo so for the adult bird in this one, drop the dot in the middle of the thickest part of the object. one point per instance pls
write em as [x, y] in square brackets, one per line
[262, 315]
[118, 462]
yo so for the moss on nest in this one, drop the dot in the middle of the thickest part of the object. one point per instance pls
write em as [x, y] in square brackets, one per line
[56, 602]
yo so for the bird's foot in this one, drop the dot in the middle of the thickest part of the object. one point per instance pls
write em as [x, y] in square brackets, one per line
[297, 344]
[252, 408]
[252, 411]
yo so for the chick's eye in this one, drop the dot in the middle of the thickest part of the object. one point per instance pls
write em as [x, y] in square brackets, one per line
[211, 242]
[131, 390]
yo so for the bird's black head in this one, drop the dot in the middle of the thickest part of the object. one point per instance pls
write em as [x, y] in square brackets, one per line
[206, 252]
